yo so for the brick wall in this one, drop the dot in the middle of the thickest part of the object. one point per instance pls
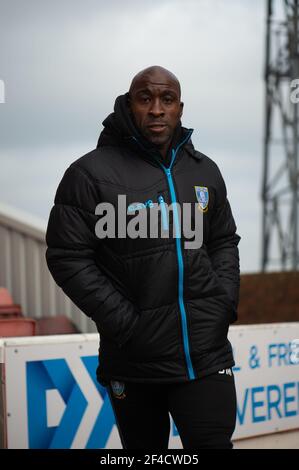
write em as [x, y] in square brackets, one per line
[269, 297]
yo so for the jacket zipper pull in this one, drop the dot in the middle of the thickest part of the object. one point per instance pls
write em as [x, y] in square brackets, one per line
[163, 212]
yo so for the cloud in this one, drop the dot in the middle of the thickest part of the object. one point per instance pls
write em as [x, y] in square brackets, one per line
[64, 63]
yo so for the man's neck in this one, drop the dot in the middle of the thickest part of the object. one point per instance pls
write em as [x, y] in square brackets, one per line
[164, 150]
[173, 141]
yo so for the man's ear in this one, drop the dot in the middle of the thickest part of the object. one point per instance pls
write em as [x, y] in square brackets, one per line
[181, 108]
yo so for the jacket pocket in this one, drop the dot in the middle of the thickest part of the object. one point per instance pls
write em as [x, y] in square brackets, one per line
[155, 336]
[217, 289]
[129, 334]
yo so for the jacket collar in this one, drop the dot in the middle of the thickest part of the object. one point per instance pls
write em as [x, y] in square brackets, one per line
[120, 129]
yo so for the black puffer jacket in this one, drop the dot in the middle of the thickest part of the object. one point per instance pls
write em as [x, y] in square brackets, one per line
[162, 310]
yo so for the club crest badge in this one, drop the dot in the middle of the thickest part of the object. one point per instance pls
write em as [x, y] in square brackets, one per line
[118, 389]
[202, 196]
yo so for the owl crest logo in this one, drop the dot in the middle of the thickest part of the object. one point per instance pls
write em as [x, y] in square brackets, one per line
[202, 196]
[118, 389]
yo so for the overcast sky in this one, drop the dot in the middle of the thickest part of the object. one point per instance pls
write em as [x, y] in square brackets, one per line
[64, 62]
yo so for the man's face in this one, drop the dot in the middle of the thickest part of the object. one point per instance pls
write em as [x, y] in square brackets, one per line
[156, 107]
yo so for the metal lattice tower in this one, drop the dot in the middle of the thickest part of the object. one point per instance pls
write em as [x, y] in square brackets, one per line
[280, 177]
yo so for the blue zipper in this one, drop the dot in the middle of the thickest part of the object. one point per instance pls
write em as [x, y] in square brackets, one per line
[180, 258]
[163, 212]
[179, 255]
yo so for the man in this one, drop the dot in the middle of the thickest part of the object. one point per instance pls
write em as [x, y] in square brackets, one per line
[162, 310]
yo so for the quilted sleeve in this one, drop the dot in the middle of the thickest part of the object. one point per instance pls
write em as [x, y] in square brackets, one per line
[223, 246]
[70, 255]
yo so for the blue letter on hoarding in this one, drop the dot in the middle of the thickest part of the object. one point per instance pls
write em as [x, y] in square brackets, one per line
[241, 413]
[42, 376]
[288, 399]
[47, 375]
[105, 420]
[273, 403]
[256, 404]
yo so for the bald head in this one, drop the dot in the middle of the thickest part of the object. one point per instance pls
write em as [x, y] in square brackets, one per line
[155, 105]
[154, 75]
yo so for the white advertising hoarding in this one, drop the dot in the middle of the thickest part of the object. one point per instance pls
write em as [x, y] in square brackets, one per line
[54, 401]
[267, 378]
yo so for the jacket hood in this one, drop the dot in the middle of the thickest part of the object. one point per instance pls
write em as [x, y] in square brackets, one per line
[120, 129]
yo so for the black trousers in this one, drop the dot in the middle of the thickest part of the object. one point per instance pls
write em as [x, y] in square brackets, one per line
[204, 412]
